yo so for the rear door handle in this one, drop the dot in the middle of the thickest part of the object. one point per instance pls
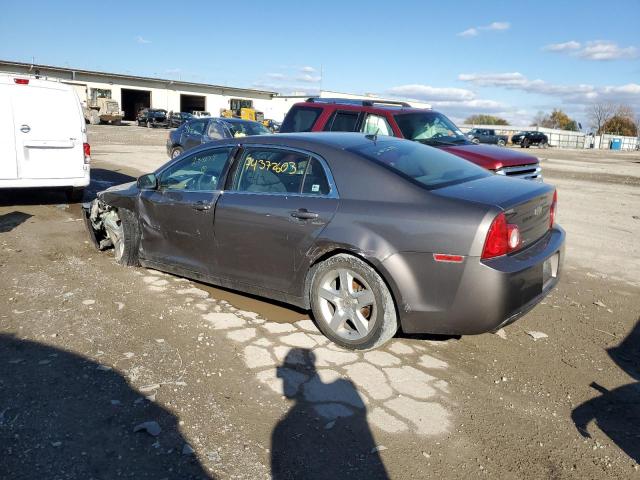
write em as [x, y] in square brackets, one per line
[200, 205]
[304, 214]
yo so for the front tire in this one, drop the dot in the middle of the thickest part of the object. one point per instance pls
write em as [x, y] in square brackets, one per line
[177, 151]
[475, 140]
[501, 143]
[351, 303]
[124, 234]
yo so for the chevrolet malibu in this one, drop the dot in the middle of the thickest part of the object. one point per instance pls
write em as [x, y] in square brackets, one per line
[370, 233]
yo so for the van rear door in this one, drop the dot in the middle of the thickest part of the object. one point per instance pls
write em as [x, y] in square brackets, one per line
[48, 124]
[8, 164]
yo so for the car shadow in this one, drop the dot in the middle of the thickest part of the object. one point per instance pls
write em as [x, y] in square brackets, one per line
[325, 433]
[9, 221]
[101, 179]
[65, 416]
[617, 412]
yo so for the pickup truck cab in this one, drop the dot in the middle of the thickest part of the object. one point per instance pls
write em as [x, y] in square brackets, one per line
[487, 135]
[399, 119]
[43, 136]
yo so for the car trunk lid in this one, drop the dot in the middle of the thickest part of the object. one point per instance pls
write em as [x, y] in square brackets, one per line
[525, 204]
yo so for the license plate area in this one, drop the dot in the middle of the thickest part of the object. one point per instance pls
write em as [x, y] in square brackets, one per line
[550, 270]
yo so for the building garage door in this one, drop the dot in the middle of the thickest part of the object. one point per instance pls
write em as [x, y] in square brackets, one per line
[133, 101]
[191, 103]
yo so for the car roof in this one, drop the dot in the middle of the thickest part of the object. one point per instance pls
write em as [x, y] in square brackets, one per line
[371, 107]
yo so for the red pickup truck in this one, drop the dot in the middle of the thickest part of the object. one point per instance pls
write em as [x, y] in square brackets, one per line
[399, 119]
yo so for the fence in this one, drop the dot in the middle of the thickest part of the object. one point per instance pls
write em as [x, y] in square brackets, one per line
[563, 138]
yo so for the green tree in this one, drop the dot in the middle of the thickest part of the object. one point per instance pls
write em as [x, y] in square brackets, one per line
[482, 119]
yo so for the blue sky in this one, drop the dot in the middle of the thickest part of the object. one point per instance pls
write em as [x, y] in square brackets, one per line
[508, 58]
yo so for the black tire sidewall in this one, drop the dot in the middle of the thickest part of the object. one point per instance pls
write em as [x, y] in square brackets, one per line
[384, 320]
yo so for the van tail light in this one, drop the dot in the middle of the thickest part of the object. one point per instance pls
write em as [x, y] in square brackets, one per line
[21, 81]
[87, 153]
[502, 238]
[553, 209]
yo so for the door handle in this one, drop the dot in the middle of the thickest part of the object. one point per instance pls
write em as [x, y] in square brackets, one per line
[200, 206]
[304, 214]
[25, 128]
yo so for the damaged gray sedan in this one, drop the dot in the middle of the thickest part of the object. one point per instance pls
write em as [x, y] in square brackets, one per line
[371, 233]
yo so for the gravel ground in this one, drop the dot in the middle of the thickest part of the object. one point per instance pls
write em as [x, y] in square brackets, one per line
[222, 385]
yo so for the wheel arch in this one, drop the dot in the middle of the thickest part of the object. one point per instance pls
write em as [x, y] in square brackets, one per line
[370, 261]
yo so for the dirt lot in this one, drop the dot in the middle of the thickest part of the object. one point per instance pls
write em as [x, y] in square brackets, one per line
[221, 385]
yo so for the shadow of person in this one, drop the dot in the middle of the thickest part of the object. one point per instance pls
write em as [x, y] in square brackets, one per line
[62, 416]
[617, 412]
[325, 433]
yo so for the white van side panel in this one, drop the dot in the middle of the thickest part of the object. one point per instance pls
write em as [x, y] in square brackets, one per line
[8, 163]
[48, 130]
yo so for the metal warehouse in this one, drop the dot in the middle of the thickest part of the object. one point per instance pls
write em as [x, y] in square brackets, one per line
[134, 92]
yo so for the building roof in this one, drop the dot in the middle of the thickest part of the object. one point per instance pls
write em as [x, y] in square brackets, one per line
[33, 66]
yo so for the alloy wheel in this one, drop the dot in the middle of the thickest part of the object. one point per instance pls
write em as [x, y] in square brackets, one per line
[347, 303]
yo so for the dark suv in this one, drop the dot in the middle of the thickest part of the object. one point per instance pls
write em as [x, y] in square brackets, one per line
[399, 119]
[528, 138]
[203, 130]
[152, 117]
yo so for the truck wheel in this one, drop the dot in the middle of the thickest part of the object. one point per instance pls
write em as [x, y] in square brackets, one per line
[124, 233]
[74, 195]
[351, 303]
[475, 140]
[501, 143]
[177, 151]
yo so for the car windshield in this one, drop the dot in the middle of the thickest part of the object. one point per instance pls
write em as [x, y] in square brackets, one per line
[431, 128]
[429, 167]
[156, 114]
[245, 129]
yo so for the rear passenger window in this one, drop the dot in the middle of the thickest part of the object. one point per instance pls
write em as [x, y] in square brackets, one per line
[196, 127]
[215, 131]
[271, 171]
[300, 119]
[315, 180]
[342, 122]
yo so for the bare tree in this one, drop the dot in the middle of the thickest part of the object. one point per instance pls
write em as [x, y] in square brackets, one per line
[599, 113]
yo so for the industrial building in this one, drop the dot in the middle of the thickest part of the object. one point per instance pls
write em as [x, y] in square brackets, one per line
[134, 92]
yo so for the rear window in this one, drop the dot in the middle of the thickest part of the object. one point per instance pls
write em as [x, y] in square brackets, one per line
[300, 119]
[427, 166]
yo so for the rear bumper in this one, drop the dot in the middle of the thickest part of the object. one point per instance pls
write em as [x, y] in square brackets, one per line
[77, 182]
[475, 296]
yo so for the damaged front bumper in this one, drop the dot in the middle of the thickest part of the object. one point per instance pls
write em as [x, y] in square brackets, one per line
[102, 222]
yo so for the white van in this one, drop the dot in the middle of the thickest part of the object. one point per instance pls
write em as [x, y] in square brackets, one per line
[43, 136]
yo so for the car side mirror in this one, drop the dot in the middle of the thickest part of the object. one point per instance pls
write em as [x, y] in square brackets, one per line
[148, 182]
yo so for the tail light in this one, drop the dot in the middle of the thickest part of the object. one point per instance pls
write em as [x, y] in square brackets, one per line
[502, 238]
[87, 152]
[553, 209]
[21, 81]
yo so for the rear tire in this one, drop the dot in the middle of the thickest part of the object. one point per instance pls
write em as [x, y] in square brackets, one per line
[501, 143]
[525, 143]
[127, 240]
[351, 303]
[475, 140]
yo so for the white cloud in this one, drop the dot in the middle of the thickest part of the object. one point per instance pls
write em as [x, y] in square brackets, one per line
[431, 94]
[597, 50]
[308, 69]
[562, 47]
[142, 40]
[497, 26]
[276, 76]
[580, 94]
[493, 26]
[469, 32]
[307, 78]
[605, 50]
